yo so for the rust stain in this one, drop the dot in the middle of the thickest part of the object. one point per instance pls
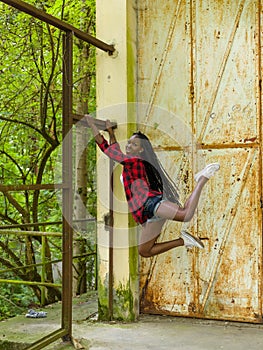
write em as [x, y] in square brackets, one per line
[192, 308]
[252, 139]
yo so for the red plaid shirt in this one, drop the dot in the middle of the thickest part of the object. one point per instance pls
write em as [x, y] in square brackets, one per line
[136, 185]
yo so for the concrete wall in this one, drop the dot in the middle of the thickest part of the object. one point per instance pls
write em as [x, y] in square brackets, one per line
[116, 23]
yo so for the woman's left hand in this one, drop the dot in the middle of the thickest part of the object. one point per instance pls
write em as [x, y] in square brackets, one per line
[108, 125]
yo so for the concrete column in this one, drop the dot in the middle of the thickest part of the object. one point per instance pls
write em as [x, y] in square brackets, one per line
[116, 92]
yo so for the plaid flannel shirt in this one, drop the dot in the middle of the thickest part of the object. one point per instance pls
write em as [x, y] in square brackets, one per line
[136, 185]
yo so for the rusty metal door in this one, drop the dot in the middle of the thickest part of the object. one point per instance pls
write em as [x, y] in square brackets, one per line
[199, 84]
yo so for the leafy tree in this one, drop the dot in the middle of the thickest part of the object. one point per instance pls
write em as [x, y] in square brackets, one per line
[31, 128]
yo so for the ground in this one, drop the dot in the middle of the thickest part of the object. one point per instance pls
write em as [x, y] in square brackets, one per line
[150, 332]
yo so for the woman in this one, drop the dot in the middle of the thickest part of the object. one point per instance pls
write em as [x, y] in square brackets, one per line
[152, 196]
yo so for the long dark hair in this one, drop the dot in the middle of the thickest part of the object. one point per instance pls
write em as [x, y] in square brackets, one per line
[158, 178]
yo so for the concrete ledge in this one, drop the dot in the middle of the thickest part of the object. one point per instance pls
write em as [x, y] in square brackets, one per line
[19, 332]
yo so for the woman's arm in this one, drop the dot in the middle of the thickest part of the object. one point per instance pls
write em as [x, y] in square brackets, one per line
[113, 150]
[111, 132]
[96, 133]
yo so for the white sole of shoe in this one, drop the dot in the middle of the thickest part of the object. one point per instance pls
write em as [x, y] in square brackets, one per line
[191, 241]
[208, 171]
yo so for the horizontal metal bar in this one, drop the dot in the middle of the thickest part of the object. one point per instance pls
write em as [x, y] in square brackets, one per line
[45, 263]
[31, 233]
[202, 146]
[29, 266]
[31, 283]
[43, 16]
[244, 144]
[33, 187]
[33, 224]
[30, 224]
[50, 338]
[101, 124]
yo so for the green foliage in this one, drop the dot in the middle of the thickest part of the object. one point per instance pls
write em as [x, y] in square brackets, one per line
[31, 133]
[15, 300]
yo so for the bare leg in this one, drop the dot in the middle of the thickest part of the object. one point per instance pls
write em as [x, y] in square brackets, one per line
[168, 210]
[148, 246]
[172, 211]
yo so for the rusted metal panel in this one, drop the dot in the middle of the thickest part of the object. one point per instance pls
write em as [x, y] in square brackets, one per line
[226, 68]
[164, 75]
[199, 74]
[230, 267]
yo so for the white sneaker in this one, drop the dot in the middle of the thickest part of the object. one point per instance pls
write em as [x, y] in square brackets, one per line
[208, 171]
[191, 241]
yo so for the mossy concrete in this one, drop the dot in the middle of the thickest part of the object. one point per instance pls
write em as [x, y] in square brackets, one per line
[19, 332]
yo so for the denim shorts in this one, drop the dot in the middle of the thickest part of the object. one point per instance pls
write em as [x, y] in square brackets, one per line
[150, 207]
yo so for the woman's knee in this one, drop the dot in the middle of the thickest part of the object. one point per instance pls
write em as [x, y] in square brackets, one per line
[144, 251]
[183, 215]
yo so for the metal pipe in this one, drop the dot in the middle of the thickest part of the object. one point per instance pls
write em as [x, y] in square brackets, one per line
[31, 283]
[86, 255]
[33, 187]
[31, 233]
[40, 344]
[33, 224]
[43, 270]
[111, 242]
[67, 195]
[43, 16]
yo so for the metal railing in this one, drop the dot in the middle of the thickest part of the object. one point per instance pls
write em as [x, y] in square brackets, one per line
[65, 331]
[64, 26]
[8, 230]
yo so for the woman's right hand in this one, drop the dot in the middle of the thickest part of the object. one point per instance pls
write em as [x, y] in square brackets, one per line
[110, 131]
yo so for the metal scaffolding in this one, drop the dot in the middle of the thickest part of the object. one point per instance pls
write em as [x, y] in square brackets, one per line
[69, 119]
